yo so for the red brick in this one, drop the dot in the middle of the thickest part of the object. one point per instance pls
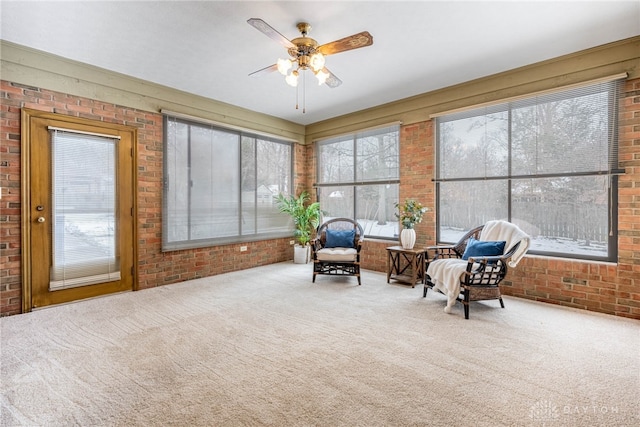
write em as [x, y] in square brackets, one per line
[609, 288]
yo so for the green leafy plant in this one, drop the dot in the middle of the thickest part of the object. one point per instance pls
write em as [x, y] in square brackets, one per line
[410, 213]
[305, 215]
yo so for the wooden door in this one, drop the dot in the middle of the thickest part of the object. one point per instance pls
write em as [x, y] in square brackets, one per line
[78, 208]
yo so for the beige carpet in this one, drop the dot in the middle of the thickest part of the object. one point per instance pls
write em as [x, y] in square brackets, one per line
[267, 347]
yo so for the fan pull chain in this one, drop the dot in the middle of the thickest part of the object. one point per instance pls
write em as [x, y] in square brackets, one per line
[304, 93]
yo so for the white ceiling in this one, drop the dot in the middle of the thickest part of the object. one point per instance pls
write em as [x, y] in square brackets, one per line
[207, 47]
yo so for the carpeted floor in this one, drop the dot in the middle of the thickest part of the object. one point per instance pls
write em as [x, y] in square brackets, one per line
[267, 347]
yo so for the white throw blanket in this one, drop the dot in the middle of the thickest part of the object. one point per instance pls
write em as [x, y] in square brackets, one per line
[502, 230]
[446, 273]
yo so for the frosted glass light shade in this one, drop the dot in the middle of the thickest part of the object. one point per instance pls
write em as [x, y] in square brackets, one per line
[284, 65]
[317, 61]
[292, 79]
[322, 77]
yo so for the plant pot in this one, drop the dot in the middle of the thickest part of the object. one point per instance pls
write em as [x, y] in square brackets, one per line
[407, 238]
[301, 254]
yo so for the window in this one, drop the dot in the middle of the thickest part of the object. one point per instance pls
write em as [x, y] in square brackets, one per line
[84, 204]
[546, 163]
[359, 176]
[219, 185]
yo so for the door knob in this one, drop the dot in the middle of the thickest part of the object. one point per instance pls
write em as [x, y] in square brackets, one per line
[41, 219]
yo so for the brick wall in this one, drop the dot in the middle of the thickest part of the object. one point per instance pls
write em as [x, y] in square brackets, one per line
[602, 287]
[10, 287]
[416, 172]
[154, 267]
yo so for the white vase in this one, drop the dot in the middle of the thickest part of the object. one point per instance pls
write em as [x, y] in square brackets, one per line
[408, 238]
[301, 254]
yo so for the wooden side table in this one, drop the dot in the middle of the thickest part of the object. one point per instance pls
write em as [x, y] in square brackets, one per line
[405, 265]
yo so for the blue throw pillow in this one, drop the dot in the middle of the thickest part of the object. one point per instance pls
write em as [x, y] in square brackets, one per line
[476, 248]
[340, 238]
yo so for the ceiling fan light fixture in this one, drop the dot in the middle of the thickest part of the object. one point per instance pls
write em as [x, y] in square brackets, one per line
[317, 61]
[322, 76]
[284, 65]
[292, 79]
[306, 54]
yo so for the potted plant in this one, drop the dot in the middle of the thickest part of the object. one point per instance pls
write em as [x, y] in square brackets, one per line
[306, 217]
[410, 213]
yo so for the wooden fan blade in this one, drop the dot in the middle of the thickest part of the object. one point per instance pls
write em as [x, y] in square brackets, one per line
[348, 43]
[265, 70]
[270, 32]
[332, 81]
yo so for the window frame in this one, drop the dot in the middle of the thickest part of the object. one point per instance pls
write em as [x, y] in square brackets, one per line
[354, 183]
[241, 135]
[612, 89]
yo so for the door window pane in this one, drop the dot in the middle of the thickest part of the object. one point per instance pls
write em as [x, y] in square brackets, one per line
[84, 206]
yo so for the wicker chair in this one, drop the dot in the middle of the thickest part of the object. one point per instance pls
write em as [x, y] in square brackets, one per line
[328, 257]
[480, 276]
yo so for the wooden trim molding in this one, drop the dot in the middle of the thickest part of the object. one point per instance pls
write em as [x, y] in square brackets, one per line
[24, 65]
[599, 62]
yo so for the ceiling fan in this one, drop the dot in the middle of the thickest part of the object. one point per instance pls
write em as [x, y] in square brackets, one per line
[306, 54]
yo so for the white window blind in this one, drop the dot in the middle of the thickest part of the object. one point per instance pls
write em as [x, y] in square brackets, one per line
[84, 209]
[219, 185]
[547, 162]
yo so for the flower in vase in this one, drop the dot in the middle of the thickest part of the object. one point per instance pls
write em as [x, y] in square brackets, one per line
[410, 213]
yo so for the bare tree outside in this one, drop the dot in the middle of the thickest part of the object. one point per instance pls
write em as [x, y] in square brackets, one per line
[540, 163]
[358, 178]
